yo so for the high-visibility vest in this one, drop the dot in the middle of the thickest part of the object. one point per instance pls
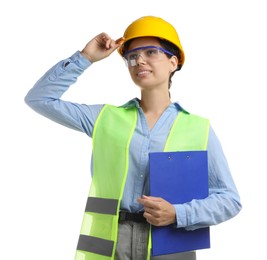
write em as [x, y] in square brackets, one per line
[112, 135]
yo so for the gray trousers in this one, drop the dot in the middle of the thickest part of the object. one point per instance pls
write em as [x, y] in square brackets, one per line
[132, 244]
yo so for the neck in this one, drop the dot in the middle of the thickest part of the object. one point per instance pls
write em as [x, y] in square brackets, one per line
[154, 102]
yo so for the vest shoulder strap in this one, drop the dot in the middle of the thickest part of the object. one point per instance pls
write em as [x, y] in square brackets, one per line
[188, 133]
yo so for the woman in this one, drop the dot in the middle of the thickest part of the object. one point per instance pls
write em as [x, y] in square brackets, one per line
[120, 210]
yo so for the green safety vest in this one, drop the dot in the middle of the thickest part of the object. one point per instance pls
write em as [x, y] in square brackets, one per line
[112, 135]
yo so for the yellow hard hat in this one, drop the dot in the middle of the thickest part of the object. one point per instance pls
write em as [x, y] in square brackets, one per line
[151, 26]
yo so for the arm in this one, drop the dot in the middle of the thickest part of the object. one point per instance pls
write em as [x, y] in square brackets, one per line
[222, 203]
[45, 96]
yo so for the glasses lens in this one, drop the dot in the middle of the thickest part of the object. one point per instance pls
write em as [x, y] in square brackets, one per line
[147, 53]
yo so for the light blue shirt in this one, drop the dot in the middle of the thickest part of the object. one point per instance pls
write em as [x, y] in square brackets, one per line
[223, 201]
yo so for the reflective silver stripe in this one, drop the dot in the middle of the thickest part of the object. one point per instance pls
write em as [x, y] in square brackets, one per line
[102, 206]
[95, 245]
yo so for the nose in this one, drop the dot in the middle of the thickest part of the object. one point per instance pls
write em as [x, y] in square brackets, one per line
[140, 59]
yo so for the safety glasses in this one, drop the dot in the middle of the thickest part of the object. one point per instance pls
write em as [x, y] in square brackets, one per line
[147, 53]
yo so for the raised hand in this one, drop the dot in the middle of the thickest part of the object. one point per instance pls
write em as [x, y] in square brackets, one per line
[100, 47]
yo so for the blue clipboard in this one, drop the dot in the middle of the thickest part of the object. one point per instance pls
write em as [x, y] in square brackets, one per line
[178, 177]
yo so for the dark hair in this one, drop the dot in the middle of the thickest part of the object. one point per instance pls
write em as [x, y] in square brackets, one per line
[169, 47]
[175, 51]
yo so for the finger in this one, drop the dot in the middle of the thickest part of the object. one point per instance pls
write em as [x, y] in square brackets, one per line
[110, 44]
[102, 40]
[150, 202]
[120, 41]
[151, 212]
[151, 198]
[152, 206]
[152, 219]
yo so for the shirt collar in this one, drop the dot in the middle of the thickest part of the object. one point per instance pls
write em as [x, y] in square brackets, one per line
[135, 103]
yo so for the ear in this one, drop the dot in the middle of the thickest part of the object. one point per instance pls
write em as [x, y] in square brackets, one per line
[173, 63]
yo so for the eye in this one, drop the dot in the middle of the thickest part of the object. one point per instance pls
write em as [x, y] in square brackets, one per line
[151, 52]
[132, 56]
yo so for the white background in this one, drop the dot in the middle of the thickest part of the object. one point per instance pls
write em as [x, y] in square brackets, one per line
[45, 168]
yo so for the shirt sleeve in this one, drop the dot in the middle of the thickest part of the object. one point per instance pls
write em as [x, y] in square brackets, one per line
[45, 96]
[223, 201]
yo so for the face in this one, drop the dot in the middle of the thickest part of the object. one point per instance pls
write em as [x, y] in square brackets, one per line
[150, 69]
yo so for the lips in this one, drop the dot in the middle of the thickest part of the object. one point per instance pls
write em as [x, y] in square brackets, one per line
[142, 73]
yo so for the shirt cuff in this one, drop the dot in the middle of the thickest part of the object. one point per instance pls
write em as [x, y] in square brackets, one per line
[180, 215]
[80, 60]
